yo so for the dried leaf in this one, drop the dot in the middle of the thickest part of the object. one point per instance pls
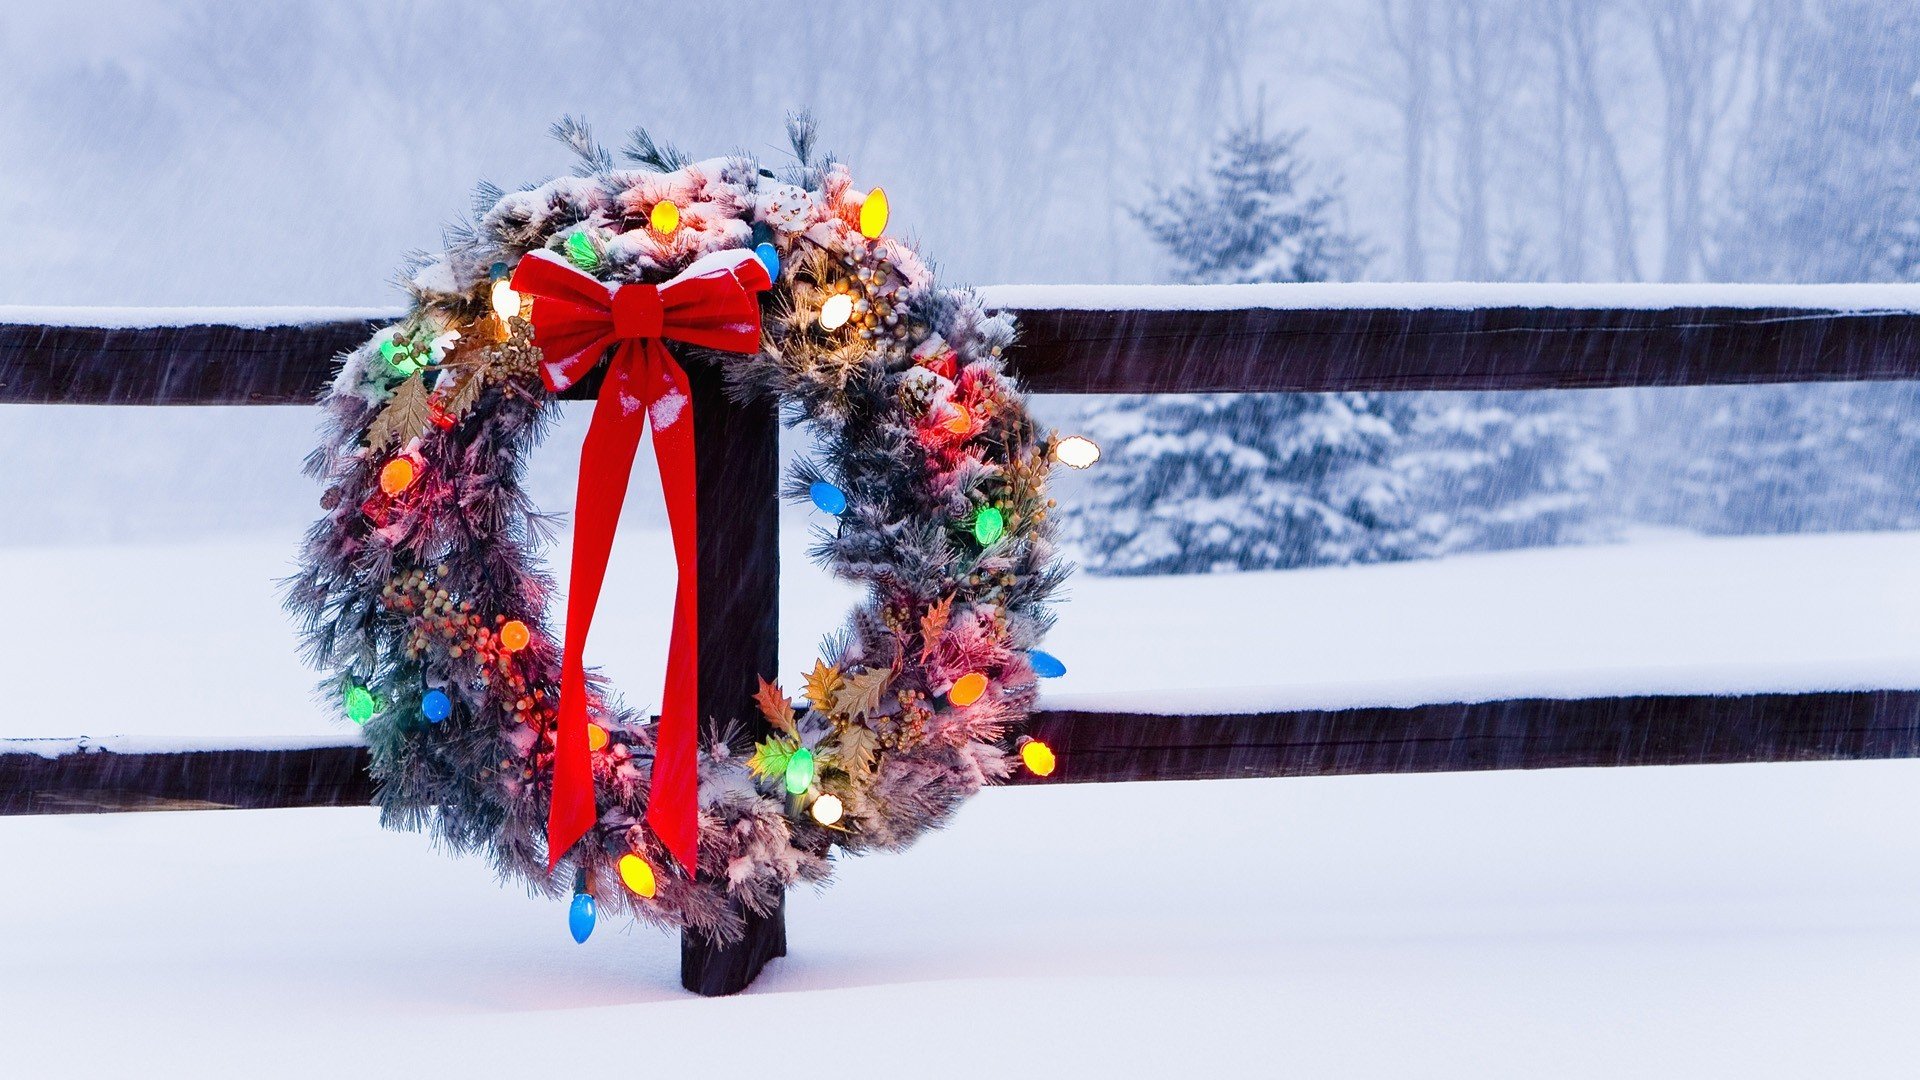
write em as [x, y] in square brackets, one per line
[406, 414]
[860, 694]
[775, 706]
[933, 624]
[854, 747]
[823, 683]
[769, 760]
[465, 393]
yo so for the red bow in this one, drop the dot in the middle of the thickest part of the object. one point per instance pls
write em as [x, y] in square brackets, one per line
[576, 319]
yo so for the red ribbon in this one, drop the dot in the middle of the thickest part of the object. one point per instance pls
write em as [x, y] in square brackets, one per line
[576, 319]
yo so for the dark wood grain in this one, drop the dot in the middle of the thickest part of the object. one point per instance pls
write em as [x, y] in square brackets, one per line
[95, 781]
[1522, 733]
[737, 452]
[1085, 352]
[1092, 747]
[1080, 352]
[172, 365]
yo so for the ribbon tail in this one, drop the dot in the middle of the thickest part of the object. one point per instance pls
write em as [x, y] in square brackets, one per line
[606, 463]
[673, 804]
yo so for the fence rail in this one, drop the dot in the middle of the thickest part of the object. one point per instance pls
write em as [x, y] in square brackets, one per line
[1525, 733]
[1781, 335]
[1172, 340]
[1168, 340]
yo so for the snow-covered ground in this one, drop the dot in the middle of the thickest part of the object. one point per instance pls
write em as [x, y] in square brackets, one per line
[1732, 921]
[1737, 921]
[197, 644]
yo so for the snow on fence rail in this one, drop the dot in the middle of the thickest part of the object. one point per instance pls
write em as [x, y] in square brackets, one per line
[1105, 339]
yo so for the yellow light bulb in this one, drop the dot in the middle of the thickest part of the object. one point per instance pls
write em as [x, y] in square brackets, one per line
[637, 874]
[596, 738]
[836, 311]
[873, 214]
[827, 809]
[506, 302]
[1037, 756]
[665, 217]
[1076, 451]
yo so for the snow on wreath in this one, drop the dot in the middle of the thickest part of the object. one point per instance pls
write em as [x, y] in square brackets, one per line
[422, 597]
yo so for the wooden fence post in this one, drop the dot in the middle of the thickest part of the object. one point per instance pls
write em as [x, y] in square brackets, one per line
[737, 453]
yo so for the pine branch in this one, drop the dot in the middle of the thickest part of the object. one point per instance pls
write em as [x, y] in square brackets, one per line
[578, 137]
[642, 148]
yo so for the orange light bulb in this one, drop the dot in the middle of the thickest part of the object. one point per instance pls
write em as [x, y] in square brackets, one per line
[514, 636]
[967, 689]
[397, 476]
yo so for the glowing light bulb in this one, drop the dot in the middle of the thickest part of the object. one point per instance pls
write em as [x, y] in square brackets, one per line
[579, 249]
[989, 524]
[580, 918]
[397, 476]
[827, 809]
[1076, 451]
[1045, 664]
[637, 874]
[596, 738]
[435, 705]
[665, 217]
[359, 704]
[1037, 757]
[506, 302]
[836, 311]
[967, 689]
[800, 771]
[514, 635]
[830, 499]
[874, 213]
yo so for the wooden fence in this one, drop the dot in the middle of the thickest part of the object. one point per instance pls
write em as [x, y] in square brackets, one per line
[1167, 348]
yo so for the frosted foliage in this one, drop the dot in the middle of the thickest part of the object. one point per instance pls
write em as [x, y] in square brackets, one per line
[1256, 481]
[1254, 215]
[1832, 195]
[1783, 459]
[1242, 481]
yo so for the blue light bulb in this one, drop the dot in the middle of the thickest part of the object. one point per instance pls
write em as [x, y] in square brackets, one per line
[436, 706]
[1045, 664]
[828, 498]
[580, 917]
[769, 258]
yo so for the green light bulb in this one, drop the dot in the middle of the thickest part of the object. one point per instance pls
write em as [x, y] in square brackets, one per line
[800, 771]
[989, 525]
[359, 704]
[580, 251]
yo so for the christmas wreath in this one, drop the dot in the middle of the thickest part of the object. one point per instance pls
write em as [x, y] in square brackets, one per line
[423, 597]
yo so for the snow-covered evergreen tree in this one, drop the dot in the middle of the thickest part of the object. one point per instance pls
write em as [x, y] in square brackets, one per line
[1773, 459]
[1194, 483]
[1497, 470]
[1199, 482]
[1254, 215]
[1830, 190]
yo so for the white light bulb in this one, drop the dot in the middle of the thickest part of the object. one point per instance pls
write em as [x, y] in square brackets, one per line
[1076, 451]
[827, 809]
[836, 311]
[506, 302]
